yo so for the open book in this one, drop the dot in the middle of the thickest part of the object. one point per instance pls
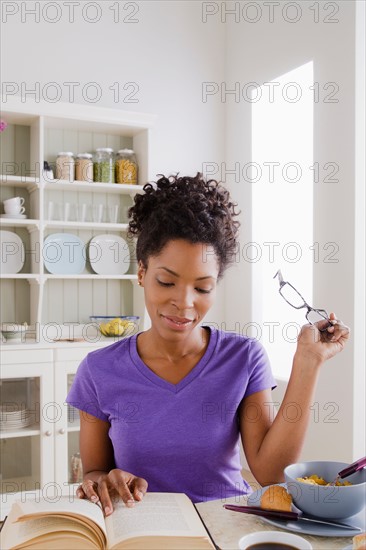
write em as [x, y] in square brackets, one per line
[160, 520]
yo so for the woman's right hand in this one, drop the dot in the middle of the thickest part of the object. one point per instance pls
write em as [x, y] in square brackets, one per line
[111, 486]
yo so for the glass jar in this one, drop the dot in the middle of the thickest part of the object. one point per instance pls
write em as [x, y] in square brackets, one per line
[84, 167]
[126, 167]
[104, 165]
[76, 469]
[65, 166]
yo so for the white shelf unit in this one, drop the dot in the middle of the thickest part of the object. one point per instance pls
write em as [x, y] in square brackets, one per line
[37, 132]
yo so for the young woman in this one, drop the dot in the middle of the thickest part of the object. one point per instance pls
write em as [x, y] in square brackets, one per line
[165, 408]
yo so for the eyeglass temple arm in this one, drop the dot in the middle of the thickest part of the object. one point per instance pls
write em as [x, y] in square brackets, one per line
[280, 278]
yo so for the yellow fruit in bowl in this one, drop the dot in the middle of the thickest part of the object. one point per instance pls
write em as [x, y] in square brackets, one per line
[104, 328]
[115, 327]
[129, 327]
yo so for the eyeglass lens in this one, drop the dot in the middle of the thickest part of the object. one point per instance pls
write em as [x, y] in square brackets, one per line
[313, 316]
[292, 296]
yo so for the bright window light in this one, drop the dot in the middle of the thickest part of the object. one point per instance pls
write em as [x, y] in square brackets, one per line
[282, 208]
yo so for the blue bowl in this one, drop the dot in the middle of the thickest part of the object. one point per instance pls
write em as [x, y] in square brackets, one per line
[328, 502]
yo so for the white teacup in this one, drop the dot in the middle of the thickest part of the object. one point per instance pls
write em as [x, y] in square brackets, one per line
[279, 539]
[14, 206]
[14, 210]
[15, 201]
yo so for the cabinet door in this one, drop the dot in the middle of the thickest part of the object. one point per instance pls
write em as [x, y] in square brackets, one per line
[27, 427]
[67, 429]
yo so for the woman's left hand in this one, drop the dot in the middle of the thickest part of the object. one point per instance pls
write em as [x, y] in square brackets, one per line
[322, 345]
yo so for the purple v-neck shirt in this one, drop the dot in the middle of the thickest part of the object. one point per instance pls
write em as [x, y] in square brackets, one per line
[179, 437]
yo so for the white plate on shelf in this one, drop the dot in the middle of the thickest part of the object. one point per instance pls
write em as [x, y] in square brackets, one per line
[357, 520]
[19, 421]
[13, 415]
[109, 255]
[21, 415]
[14, 216]
[24, 424]
[10, 427]
[21, 424]
[15, 419]
[12, 254]
[64, 254]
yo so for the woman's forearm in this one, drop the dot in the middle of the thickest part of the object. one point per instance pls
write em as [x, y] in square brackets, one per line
[284, 440]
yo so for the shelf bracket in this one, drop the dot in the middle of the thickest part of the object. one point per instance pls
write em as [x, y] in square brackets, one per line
[34, 281]
[32, 228]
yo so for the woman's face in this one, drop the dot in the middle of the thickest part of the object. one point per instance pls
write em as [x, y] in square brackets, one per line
[180, 286]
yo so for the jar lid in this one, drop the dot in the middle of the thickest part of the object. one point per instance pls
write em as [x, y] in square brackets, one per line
[84, 156]
[104, 150]
[65, 154]
[126, 151]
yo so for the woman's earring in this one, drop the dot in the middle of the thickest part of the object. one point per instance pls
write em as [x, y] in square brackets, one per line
[139, 283]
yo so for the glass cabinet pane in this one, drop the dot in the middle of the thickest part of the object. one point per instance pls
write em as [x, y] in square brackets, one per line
[20, 435]
[19, 404]
[73, 420]
[20, 464]
[75, 474]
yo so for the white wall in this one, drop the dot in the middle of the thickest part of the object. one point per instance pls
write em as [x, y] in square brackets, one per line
[260, 52]
[359, 382]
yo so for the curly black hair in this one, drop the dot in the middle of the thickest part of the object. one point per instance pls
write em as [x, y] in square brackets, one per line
[188, 208]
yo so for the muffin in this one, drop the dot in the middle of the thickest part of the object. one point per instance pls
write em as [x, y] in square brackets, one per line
[276, 498]
[359, 542]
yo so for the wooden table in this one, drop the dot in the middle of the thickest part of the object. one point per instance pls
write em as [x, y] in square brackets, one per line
[227, 527]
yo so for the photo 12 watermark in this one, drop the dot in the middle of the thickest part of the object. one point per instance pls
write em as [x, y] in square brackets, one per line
[52, 252]
[292, 412]
[276, 252]
[90, 13]
[270, 12]
[71, 92]
[270, 171]
[50, 492]
[269, 92]
[272, 332]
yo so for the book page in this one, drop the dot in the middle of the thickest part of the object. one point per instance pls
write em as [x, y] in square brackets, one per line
[37, 518]
[50, 527]
[62, 504]
[65, 541]
[158, 514]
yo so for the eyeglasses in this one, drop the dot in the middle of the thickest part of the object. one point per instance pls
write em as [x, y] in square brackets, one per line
[294, 299]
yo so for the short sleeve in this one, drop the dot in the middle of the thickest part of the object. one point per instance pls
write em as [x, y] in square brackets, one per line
[260, 377]
[83, 394]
